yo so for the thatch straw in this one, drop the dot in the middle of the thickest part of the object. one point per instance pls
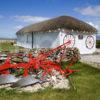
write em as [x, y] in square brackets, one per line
[62, 22]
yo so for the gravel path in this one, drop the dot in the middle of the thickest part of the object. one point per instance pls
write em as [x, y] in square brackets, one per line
[93, 59]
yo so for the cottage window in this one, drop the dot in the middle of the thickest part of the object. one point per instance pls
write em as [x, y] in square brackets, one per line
[80, 36]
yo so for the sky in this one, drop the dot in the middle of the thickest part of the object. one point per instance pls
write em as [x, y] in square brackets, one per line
[15, 14]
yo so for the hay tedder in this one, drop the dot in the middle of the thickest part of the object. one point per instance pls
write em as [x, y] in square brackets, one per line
[32, 66]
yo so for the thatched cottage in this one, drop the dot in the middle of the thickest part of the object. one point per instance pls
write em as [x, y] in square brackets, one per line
[54, 32]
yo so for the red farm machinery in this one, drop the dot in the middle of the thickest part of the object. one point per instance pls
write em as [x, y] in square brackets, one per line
[45, 62]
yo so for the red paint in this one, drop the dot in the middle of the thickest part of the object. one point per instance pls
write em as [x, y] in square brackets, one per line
[40, 62]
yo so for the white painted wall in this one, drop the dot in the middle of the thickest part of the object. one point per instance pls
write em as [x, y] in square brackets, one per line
[40, 40]
[52, 40]
[24, 40]
[46, 40]
[80, 43]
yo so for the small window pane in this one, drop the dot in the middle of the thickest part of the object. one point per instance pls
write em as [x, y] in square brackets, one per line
[80, 36]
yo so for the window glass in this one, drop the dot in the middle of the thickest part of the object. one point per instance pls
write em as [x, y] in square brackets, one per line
[80, 36]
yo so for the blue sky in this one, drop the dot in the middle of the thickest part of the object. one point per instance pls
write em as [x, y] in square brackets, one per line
[15, 14]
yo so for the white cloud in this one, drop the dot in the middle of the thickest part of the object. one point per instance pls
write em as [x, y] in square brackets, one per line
[94, 25]
[18, 27]
[30, 19]
[93, 13]
[90, 10]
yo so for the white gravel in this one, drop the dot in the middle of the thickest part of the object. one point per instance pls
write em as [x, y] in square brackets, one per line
[56, 81]
[93, 59]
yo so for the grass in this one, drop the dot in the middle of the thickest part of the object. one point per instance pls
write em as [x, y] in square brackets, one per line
[6, 46]
[86, 82]
[9, 47]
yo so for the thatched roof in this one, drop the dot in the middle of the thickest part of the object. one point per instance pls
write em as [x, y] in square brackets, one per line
[62, 22]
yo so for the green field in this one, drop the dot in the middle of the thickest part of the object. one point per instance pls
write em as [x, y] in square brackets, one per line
[6, 47]
[86, 82]
[9, 47]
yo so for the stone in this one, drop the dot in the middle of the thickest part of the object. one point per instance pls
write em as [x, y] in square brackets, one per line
[5, 86]
[46, 84]
[63, 84]
[33, 88]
